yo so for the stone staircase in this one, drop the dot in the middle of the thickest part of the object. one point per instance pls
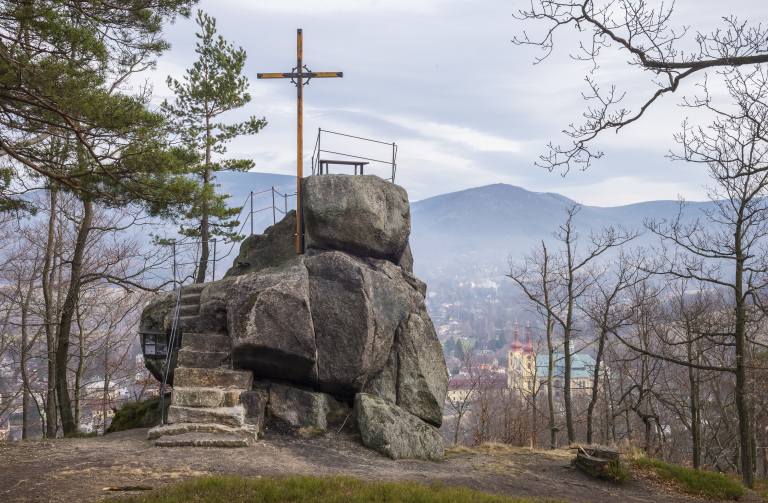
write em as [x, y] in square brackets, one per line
[205, 402]
[189, 310]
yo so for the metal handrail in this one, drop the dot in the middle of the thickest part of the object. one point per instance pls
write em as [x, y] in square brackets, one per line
[171, 342]
[317, 169]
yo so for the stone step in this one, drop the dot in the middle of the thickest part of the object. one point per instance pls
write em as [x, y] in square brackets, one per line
[201, 440]
[189, 310]
[205, 397]
[203, 359]
[230, 416]
[247, 430]
[189, 323]
[212, 378]
[190, 298]
[194, 288]
[206, 342]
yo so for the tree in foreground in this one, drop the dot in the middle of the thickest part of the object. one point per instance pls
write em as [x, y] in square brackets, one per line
[651, 44]
[213, 86]
[69, 114]
[728, 254]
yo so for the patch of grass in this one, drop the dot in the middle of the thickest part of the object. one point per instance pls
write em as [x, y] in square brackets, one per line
[80, 434]
[695, 482]
[334, 489]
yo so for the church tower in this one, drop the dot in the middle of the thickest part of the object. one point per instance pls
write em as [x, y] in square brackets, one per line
[515, 361]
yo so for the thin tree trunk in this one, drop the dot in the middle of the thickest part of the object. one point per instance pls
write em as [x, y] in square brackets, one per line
[742, 405]
[695, 410]
[80, 369]
[24, 357]
[204, 223]
[105, 398]
[550, 388]
[67, 315]
[567, 349]
[595, 381]
[50, 401]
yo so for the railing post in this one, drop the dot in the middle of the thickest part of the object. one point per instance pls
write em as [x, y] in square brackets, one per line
[251, 216]
[285, 197]
[274, 219]
[214, 260]
[174, 264]
[393, 162]
[319, 135]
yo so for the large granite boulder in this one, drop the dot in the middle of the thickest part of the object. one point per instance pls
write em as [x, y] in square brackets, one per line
[270, 323]
[363, 215]
[355, 311]
[345, 321]
[299, 408]
[394, 432]
[270, 249]
[422, 377]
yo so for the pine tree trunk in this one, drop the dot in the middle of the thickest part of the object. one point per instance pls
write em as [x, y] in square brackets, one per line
[67, 315]
[79, 372]
[47, 279]
[204, 221]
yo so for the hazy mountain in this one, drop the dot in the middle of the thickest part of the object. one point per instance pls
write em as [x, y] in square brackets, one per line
[481, 226]
[485, 225]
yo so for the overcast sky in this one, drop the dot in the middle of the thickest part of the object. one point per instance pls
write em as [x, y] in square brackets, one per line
[442, 79]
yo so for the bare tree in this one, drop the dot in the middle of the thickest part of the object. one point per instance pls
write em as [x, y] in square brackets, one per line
[607, 313]
[651, 43]
[571, 279]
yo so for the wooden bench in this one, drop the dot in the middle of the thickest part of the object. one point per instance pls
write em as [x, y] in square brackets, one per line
[343, 163]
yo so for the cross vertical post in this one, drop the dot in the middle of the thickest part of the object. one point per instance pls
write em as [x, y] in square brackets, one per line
[299, 142]
[299, 73]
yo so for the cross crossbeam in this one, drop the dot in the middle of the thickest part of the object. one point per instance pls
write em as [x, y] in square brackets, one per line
[298, 76]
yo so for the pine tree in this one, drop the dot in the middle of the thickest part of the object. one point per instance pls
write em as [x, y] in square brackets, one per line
[214, 85]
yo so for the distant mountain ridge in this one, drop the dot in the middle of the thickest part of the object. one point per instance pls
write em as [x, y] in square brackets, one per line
[491, 223]
[480, 225]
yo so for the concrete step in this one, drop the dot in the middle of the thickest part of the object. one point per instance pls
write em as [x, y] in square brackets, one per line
[190, 298]
[229, 416]
[205, 397]
[212, 378]
[246, 430]
[194, 288]
[201, 440]
[204, 359]
[206, 342]
[190, 310]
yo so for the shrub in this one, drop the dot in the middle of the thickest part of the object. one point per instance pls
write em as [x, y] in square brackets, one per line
[138, 414]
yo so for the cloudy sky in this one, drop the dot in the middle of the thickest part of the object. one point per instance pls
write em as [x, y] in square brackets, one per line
[442, 79]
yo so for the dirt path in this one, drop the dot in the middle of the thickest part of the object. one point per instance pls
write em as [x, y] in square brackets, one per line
[78, 469]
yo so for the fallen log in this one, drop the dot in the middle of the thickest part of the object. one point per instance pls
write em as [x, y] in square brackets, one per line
[127, 488]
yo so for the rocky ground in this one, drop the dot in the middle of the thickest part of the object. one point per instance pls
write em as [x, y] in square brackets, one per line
[78, 469]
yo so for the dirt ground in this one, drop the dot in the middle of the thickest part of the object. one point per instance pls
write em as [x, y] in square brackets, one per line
[78, 469]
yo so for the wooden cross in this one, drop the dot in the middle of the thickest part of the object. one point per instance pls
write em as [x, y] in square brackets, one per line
[299, 73]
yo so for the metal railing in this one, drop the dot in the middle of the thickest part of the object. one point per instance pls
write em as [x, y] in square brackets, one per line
[317, 168]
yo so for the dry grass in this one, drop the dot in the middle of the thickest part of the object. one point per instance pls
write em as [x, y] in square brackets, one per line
[334, 489]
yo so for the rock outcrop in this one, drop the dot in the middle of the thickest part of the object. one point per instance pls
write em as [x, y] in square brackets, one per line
[394, 432]
[344, 322]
